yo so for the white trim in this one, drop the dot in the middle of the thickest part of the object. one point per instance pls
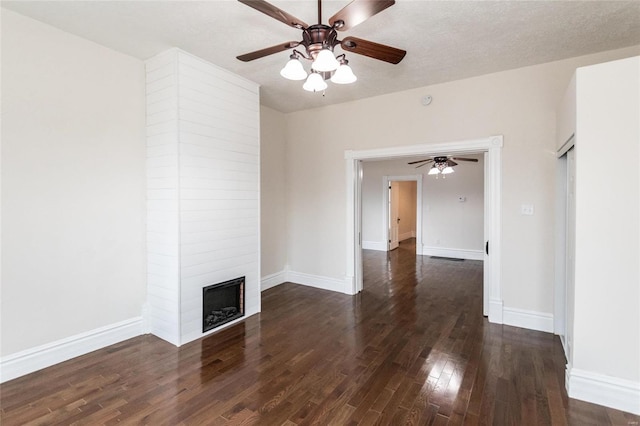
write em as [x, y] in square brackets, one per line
[453, 253]
[459, 147]
[566, 146]
[353, 275]
[495, 310]
[407, 235]
[532, 320]
[349, 285]
[34, 359]
[560, 258]
[272, 280]
[493, 202]
[374, 245]
[604, 390]
[486, 232]
[317, 281]
[146, 317]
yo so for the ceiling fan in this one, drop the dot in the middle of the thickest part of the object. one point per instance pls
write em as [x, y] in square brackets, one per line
[441, 164]
[319, 41]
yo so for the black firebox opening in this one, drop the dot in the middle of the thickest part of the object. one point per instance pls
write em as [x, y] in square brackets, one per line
[222, 302]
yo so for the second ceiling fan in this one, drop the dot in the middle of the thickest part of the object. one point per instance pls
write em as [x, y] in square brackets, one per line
[319, 40]
[441, 164]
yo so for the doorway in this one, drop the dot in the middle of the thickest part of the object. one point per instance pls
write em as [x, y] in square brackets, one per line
[492, 146]
[402, 211]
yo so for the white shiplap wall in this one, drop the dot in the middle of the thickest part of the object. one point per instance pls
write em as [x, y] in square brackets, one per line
[203, 153]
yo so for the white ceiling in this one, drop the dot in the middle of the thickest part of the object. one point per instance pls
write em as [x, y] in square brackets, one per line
[444, 40]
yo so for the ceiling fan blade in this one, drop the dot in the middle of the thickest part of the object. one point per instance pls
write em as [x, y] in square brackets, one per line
[475, 160]
[275, 13]
[421, 161]
[423, 164]
[268, 51]
[451, 163]
[357, 12]
[373, 50]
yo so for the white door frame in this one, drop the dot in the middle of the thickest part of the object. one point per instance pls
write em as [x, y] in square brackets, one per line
[563, 295]
[493, 200]
[485, 250]
[386, 180]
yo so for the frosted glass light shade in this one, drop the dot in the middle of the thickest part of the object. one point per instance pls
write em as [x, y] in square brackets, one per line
[314, 83]
[447, 170]
[344, 75]
[325, 61]
[293, 70]
[433, 170]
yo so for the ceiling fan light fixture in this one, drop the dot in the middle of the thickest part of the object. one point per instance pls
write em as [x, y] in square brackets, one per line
[434, 170]
[314, 83]
[344, 74]
[447, 170]
[293, 70]
[325, 61]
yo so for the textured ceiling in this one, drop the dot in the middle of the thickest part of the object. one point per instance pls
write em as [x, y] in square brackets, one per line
[444, 40]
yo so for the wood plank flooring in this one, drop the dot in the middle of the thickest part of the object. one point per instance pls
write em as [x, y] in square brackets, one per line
[412, 348]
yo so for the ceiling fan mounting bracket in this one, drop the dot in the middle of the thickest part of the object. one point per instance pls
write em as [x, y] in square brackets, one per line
[318, 37]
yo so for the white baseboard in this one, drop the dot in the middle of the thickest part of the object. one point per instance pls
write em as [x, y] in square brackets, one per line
[532, 320]
[273, 280]
[325, 283]
[146, 318]
[453, 253]
[382, 246]
[349, 285]
[374, 245]
[34, 359]
[495, 311]
[317, 281]
[407, 235]
[604, 390]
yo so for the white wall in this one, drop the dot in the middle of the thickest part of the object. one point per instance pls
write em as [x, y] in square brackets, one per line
[73, 185]
[519, 104]
[447, 224]
[607, 275]
[273, 185]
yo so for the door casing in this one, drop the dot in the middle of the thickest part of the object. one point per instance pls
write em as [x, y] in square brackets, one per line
[492, 145]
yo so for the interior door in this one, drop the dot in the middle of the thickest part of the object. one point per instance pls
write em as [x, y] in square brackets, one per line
[394, 219]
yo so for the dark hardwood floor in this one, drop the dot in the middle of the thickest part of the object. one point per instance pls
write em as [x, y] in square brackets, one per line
[412, 348]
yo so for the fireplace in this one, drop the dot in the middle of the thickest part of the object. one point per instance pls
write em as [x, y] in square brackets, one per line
[222, 302]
